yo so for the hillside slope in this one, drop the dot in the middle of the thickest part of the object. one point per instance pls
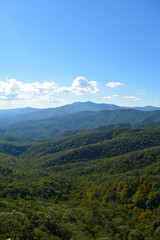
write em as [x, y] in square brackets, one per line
[98, 184]
[10, 116]
[39, 129]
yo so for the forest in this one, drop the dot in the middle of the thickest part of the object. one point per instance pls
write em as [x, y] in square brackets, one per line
[100, 183]
[79, 120]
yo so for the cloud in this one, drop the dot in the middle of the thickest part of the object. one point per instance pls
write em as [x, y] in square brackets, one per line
[111, 97]
[80, 86]
[115, 95]
[3, 98]
[48, 92]
[142, 91]
[114, 84]
[132, 98]
[16, 90]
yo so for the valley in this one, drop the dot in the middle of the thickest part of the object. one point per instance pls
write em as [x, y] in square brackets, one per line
[97, 177]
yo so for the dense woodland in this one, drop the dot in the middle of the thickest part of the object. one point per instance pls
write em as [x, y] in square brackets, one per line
[100, 183]
[37, 124]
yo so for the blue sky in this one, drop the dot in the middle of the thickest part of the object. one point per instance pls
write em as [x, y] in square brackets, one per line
[56, 52]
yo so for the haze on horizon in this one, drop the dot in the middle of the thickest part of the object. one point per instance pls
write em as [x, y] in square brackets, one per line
[59, 52]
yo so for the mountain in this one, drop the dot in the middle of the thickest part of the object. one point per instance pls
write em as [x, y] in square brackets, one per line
[17, 111]
[50, 127]
[46, 123]
[101, 185]
[40, 114]
[147, 108]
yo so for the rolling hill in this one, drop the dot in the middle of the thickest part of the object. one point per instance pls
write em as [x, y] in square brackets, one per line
[10, 116]
[47, 128]
[89, 175]
[97, 184]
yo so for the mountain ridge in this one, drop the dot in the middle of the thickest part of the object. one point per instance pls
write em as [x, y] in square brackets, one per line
[87, 104]
[51, 127]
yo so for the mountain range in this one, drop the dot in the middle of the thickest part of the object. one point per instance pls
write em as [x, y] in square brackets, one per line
[95, 184]
[37, 124]
[81, 171]
[36, 113]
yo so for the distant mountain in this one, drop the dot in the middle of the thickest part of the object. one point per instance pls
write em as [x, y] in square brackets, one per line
[147, 108]
[17, 111]
[50, 127]
[69, 108]
[82, 106]
[11, 116]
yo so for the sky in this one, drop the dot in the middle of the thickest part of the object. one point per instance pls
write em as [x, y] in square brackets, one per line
[56, 52]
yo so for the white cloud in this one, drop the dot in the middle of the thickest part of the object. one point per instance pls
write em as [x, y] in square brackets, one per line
[16, 90]
[46, 92]
[114, 84]
[80, 86]
[3, 98]
[132, 98]
[111, 97]
[115, 95]
[142, 91]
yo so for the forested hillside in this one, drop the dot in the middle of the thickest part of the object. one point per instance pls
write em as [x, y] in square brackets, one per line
[10, 116]
[101, 183]
[38, 129]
